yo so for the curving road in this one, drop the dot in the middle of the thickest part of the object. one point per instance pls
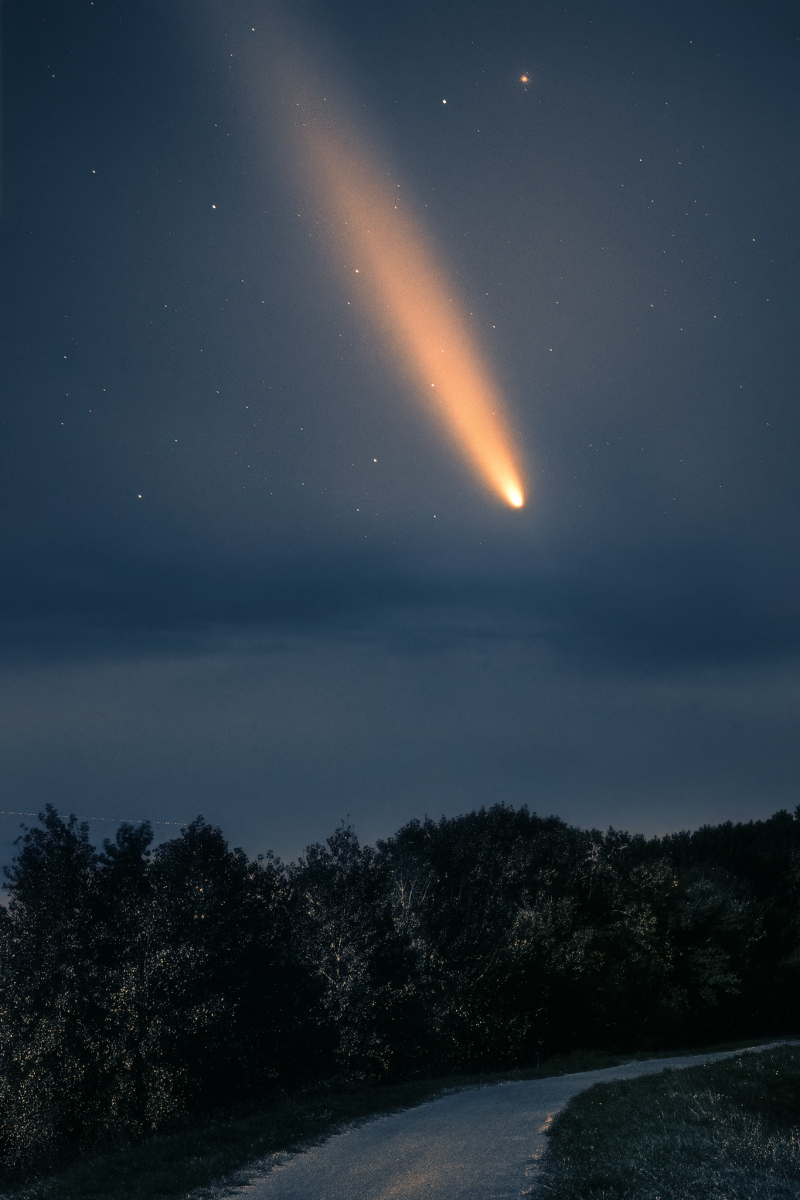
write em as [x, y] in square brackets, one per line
[479, 1144]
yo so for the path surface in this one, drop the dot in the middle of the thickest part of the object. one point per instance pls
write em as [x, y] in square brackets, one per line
[479, 1144]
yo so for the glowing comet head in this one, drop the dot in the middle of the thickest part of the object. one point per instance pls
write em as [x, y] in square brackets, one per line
[514, 496]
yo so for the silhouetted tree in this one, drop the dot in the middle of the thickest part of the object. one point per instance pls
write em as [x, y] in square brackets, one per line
[137, 986]
[136, 989]
[54, 1075]
[350, 941]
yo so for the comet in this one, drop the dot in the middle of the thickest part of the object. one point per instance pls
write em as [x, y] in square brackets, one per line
[396, 272]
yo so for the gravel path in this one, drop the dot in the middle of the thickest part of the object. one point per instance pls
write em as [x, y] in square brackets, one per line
[479, 1144]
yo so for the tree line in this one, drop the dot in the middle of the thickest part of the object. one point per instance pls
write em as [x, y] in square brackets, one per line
[140, 986]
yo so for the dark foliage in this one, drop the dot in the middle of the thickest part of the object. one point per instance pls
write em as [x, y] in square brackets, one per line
[138, 987]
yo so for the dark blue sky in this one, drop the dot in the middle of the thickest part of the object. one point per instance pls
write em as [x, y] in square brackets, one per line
[216, 600]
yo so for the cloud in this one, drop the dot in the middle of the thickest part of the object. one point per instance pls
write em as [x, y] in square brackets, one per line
[277, 737]
[651, 604]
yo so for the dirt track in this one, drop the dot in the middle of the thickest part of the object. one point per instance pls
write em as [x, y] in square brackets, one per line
[479, 1144]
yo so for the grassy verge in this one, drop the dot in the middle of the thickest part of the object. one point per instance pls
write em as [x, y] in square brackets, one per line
[726, 1131]
[207, 1150]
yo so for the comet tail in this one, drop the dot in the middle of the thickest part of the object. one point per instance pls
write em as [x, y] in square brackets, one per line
[390, 258]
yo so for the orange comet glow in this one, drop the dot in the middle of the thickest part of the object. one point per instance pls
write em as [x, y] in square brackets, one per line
[395, 269]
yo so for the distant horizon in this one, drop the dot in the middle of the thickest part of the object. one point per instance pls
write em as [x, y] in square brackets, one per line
[166, 831]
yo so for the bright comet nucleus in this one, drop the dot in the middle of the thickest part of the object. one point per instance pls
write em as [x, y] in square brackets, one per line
[406, 290]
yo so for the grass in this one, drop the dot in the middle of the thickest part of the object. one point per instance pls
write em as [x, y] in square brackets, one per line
[728, 1130]
[196, 1158]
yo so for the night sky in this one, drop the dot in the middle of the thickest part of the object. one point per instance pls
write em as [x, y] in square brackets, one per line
[245, 573]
